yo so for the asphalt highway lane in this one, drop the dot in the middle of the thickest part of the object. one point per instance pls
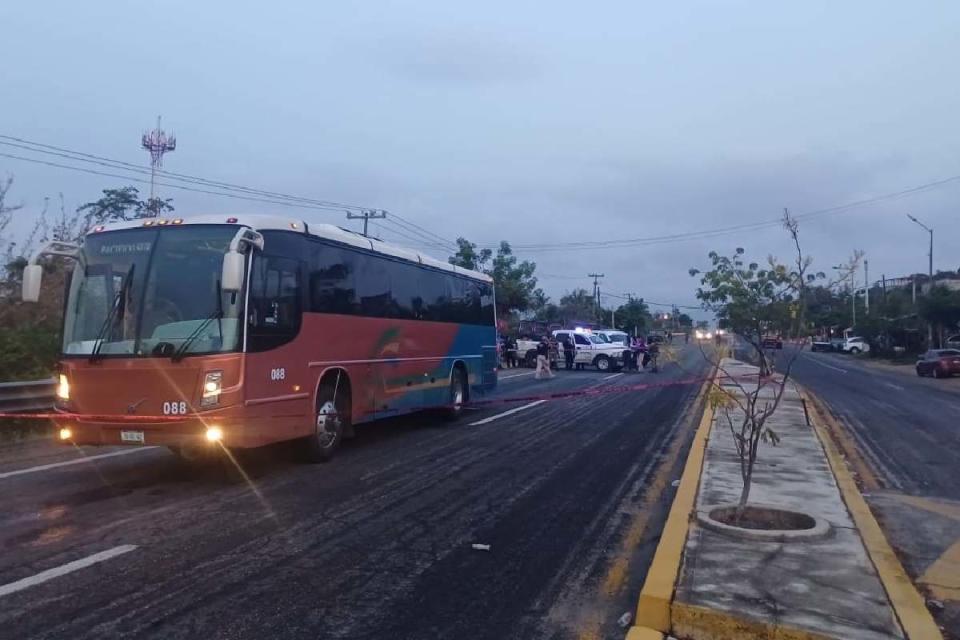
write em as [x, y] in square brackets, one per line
[904, 439]
[377, 543]
[908, 426]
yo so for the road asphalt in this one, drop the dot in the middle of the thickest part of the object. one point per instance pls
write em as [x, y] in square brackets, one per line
[907, 429]
[377, 543]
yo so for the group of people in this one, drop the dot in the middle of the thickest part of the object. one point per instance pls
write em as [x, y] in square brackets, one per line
[640, 354]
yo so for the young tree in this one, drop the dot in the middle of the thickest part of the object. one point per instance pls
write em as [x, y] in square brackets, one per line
[578, 304]
[941, 308]
[122, 204]
[514, 280]
[468, 257]
[751, 300]
[633, 316]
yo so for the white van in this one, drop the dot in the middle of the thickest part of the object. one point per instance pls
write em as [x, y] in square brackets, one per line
[591, 350]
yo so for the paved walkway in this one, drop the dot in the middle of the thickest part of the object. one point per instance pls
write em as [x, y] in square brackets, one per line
[827, 586]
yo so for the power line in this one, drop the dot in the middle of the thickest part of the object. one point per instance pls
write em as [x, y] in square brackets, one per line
[417, 228]
[270, 197]
[709, 233]
[128, 166]
[285, 203]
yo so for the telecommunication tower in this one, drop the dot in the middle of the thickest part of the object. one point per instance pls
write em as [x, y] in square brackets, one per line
[157, 142]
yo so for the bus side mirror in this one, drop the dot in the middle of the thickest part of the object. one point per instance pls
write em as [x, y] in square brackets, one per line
[231, 279]
[32, 276]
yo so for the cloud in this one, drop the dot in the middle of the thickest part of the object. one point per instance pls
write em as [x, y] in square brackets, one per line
[464, 59]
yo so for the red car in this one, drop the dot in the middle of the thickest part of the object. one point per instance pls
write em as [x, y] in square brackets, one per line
[939, 363]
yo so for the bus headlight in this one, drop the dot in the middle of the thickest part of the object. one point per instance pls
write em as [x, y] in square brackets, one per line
[63, 387]
[66, 434]
[214, 434]
[211, 389]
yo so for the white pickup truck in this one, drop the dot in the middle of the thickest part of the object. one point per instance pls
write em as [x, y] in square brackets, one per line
[592, 350]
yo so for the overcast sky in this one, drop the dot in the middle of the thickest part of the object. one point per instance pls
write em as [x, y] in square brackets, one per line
[527, 122]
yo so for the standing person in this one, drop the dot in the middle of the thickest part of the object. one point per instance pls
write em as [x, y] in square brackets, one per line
[512, 351]
[543, 360]
[639, 349]
[568, 352]
[686, 338]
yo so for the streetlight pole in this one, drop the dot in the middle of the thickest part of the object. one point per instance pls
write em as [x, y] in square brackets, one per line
[930, 267]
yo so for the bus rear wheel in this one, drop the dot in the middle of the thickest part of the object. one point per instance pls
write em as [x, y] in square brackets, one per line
[458, 394]
[331, 421]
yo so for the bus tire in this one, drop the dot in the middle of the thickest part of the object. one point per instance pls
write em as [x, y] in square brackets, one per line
[602, 363]
[331, 421]
[458, 394]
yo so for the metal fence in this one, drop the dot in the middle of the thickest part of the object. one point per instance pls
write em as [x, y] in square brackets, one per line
[33, 395]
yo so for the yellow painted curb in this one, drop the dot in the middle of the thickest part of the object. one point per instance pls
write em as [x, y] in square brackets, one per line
[907, 602]
[653, 609]
[642, 633]
[690, 621]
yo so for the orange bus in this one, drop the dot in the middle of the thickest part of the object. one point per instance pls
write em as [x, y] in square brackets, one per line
[250, 330]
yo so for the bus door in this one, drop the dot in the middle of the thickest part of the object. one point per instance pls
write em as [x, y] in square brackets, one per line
[277, 376]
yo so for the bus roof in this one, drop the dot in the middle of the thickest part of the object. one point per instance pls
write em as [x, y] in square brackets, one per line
[260, 222]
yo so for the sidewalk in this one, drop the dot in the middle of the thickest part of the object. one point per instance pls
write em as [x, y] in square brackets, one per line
[828, 587]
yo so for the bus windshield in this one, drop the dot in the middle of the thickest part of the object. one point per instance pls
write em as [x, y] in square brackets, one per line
[143, 292]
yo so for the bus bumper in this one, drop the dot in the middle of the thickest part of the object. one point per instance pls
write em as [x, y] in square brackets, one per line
[191, 432]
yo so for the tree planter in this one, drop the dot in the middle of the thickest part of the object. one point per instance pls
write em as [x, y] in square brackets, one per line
[763, 522]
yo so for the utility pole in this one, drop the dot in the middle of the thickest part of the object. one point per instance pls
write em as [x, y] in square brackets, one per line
[366, 215]
[157, 142]
[866, 286]
[930, 267]
[596, 289]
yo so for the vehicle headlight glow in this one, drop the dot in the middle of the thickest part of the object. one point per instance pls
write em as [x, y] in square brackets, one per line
[214, 434]
[63, 387]
[66, 434]
[212, 384]
[708, 335]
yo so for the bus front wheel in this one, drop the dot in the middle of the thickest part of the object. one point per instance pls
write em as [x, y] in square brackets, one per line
[330, 423]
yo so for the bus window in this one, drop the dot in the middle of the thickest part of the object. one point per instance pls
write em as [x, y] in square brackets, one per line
[405, 291]
[274, 314]
[332, 276]
[433, 290]
[373, 286]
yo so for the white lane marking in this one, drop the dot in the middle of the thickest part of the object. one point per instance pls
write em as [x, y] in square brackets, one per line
[894, 386]
[64, 569]
[824, 364]
[516, 375]
[612, 376]
[54, 465]
[506, 413]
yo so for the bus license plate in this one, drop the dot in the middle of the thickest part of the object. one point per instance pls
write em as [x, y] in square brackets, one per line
[132, 436]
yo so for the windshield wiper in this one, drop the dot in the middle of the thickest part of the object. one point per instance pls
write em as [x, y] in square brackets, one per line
[216, 315]
[108, 321]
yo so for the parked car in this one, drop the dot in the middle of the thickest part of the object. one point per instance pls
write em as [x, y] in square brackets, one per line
[953, 342]
[855, 345]
[821, 345]
[939, 363]
[772, 342]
